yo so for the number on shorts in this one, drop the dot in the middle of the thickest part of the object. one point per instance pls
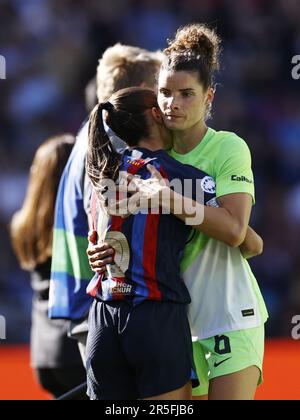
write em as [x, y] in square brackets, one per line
[222, 345]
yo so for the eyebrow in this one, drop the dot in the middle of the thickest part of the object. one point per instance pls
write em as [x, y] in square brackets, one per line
[180, 90]
[187, 90]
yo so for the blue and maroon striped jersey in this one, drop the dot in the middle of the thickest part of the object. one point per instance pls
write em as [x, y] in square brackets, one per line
[149, 247]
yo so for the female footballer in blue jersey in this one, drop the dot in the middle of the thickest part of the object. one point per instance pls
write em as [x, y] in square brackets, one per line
[138, 326]
[227, 314]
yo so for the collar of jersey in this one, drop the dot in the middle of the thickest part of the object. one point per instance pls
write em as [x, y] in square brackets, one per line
[208, 135]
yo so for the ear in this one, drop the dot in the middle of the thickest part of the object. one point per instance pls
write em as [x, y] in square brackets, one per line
[210, 96]
[156, 114]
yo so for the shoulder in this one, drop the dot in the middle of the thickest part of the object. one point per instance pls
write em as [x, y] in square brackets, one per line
[232, 149]
[180, 169]
[230, 142]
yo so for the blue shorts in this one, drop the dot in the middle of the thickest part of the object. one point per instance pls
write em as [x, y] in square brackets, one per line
[137, 352]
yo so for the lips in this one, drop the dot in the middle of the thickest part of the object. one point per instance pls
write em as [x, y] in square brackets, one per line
[174, 116]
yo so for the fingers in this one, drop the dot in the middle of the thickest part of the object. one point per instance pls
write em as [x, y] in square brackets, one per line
[117, 207]
[100, 265]
[156, 176]
[154, 171]
[100, 256]
[94, 249]
[142, 192]
[124, 208]
[125, 178]
[128, 182]
[133, 186]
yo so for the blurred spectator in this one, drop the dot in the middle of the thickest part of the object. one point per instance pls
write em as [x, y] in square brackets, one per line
[54, 356]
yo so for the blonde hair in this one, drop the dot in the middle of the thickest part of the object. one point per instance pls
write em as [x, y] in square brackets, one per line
[123, 66]
[32, 225]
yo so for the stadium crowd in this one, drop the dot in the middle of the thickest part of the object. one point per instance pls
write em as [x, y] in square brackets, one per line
[51, 49]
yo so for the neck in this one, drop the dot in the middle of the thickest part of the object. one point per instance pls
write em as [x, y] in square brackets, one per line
[185, 141]
[150, 143]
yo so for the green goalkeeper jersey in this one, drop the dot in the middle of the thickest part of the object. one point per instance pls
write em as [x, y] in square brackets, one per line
[225, 294]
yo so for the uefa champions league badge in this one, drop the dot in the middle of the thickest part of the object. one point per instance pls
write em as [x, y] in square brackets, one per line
[213, 203]
[208, 185]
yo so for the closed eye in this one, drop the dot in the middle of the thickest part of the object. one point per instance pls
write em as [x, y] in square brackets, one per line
[165, 92]
[187, 93]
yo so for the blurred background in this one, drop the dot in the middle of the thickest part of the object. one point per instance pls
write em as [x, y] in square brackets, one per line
[52, 48]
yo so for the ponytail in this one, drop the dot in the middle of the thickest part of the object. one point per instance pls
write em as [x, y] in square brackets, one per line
[102, 160]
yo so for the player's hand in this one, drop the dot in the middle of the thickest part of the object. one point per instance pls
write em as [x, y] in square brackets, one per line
[145, 194]
[123, 206]
[150, 190]
[99, 256]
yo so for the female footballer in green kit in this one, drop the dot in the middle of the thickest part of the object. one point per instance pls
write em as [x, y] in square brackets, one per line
[228, 313]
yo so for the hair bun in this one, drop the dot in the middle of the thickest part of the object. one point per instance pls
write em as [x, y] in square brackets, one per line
[197, 40]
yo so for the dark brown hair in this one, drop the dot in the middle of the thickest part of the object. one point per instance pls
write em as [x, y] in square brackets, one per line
[32, 225]
[126, 116]
[195, 48]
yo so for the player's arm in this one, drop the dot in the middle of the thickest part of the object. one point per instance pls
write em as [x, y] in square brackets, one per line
[234, 191]
[253, 244]
[228, 223]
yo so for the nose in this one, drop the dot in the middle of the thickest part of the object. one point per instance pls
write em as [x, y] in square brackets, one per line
[173, 104]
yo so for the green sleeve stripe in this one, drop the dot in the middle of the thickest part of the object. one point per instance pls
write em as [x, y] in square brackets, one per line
[69, 255]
